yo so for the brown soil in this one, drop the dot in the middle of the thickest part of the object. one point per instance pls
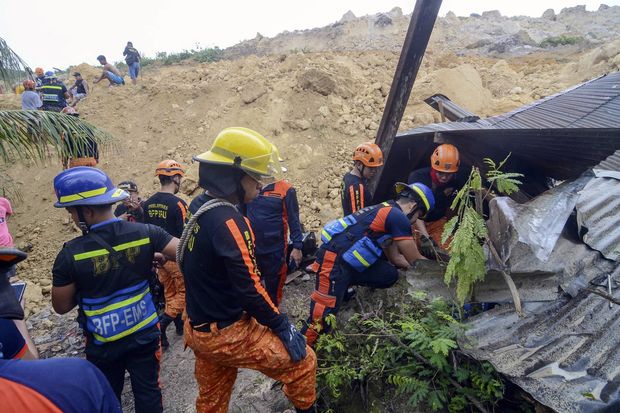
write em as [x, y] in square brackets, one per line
[316, 107]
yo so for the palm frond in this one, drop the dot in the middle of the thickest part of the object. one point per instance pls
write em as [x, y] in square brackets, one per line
[36, 135]
[12, 68]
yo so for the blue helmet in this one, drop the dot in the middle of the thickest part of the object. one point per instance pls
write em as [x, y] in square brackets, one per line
[419, 192]
[49, 73]
[84, 185]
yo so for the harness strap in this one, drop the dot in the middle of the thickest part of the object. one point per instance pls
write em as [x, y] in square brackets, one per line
[207, 206]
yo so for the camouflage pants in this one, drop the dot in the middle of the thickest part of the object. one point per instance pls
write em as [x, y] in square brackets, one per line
[246, 344]
[174, 288]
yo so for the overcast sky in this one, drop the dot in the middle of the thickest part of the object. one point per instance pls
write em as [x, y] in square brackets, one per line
[60, 34]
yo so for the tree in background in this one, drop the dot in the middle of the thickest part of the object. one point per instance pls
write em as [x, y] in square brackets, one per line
[37, 135]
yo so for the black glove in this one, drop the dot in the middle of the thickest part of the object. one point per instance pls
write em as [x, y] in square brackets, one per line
[430, 249]
[292, 339]
[427, 246]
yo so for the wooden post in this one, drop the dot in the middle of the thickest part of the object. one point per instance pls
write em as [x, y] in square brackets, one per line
[419, 32]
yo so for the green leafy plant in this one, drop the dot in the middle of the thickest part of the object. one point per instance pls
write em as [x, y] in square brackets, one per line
[466, 231]
[410, 355]
[201, 55]
[561, 40]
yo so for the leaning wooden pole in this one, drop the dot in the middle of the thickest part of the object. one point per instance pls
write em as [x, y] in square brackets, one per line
[420, 28]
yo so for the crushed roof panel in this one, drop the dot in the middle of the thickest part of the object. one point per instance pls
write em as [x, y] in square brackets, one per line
[560, 353]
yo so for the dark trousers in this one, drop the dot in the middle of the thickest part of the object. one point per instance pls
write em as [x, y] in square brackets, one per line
[273, 270]
[142, 363]
[333, 279]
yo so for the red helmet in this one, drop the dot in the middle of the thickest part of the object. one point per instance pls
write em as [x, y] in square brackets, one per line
[28, 84]
[169, 167]
[369, 154]
[445, 158]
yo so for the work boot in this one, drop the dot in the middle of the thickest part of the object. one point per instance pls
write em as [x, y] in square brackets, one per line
[164, 322]
[178, 323]
[351, 291]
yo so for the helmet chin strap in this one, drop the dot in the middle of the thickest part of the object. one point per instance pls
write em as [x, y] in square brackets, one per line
[82, 220]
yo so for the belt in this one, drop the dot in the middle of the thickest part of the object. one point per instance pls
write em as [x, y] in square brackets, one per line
[215, 325]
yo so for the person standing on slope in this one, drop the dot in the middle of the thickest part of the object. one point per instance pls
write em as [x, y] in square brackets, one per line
[106, 272]
[231, 321]
[132, 58]
[273, 215]
[354, 192]
[168, 211]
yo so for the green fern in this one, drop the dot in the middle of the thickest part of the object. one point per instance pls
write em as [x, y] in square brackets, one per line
[408, 354]
[467, 233]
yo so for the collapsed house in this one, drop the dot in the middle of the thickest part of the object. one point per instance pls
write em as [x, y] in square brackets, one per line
[558, 238]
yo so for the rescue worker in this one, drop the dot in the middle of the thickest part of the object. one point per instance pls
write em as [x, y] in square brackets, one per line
[355, 249]
[106, 272]
[15, 340]
[131, 209]
[354, 192]
[53, 93]
[53, 385]
[231, 321]
[168, 211]
[272, 215]
[445, 181]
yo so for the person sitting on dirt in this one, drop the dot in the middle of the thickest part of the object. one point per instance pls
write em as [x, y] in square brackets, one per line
[365, 248]
[110, 72]
[79, 90]
[169, 212]
[231, 321]
[106, 272]
[131, 209]
[39, 79]
[54, 93]
[30, 99]
[445, 181]
[132, 58]
[354, 192]
[274, 214]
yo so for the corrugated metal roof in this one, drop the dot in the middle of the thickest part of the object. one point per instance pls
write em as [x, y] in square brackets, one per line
[559, 136]
[593, 104]
[611, 164]
[598, 212]
[563, 353]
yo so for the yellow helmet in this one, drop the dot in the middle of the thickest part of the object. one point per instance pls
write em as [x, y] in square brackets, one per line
[245, 149]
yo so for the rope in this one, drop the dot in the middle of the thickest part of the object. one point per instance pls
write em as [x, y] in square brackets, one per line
[189, 228]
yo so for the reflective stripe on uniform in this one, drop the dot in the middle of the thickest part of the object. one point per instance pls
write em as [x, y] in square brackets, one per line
[120, 314]
[83, 195]
[126, 332]
[361, 259]
[103, 251]
[117, 305]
